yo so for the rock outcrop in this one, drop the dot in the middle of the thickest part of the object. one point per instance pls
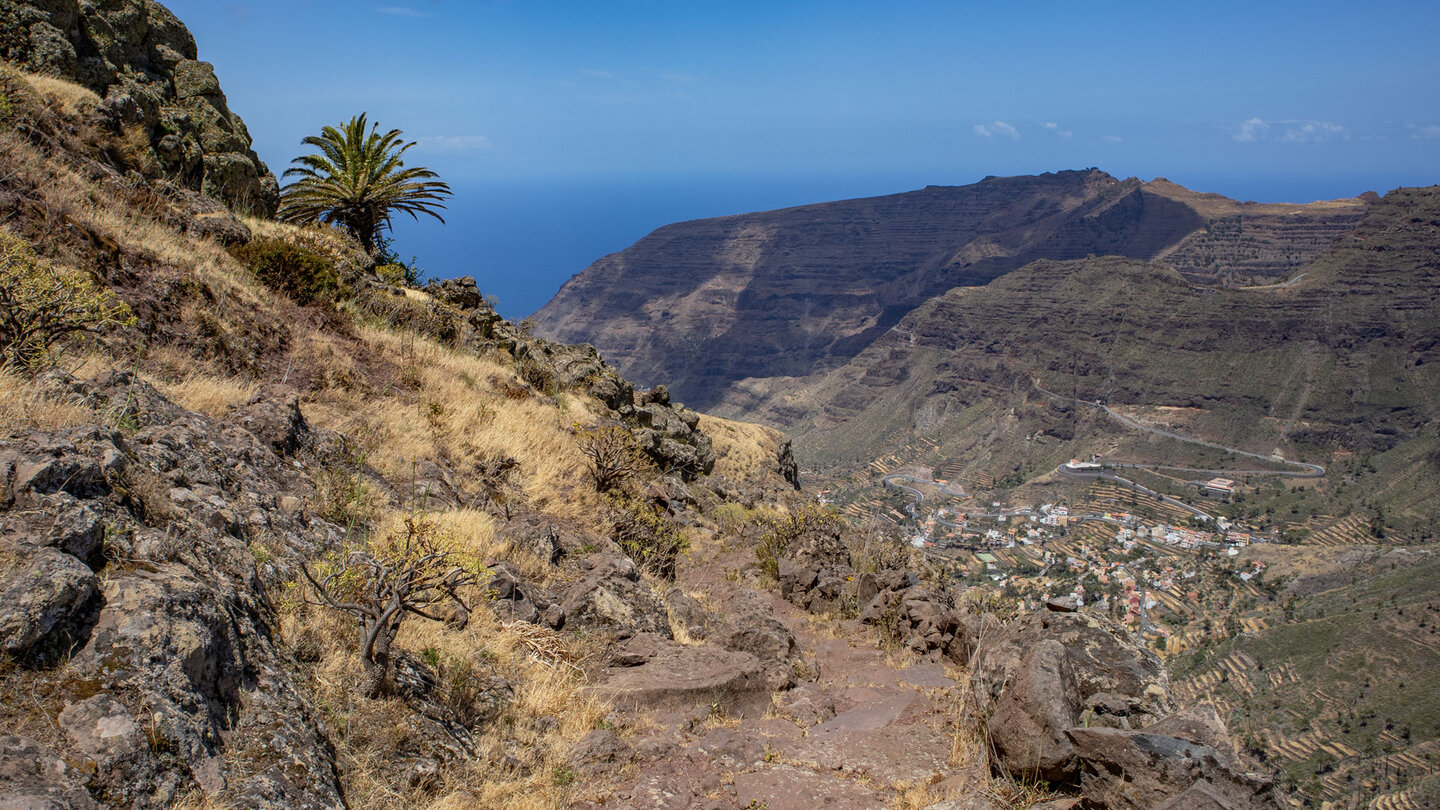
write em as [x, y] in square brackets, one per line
[1072, 701]
[667, 431]
[133, 589]
[143, 64]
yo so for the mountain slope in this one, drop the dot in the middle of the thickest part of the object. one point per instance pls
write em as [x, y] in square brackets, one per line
[1343, 361]
[791, 293]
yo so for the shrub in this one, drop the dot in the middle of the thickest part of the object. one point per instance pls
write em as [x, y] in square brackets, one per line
[42, 304]
[409, 571]
[298, 272]
[613, 456]
[645, 533]
[814, 523]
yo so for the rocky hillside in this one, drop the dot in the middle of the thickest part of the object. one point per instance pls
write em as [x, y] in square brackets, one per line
[278, 533]
[1339, 362]
[711, 304]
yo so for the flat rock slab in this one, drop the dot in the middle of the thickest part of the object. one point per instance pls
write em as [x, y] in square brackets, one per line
[840, 660]
[868, 716]
[679, 677]
[785, 787]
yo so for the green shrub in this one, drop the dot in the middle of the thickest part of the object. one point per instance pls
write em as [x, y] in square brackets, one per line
[645, 533]
[302, 274]
[814, 523]
[42, 305]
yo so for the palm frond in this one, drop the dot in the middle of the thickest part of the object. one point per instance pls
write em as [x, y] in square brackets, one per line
[358, 179]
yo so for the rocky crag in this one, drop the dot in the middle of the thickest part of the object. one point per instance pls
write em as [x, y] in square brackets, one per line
[142, 64]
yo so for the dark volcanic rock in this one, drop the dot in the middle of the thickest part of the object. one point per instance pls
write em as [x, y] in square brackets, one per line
[126, 557]
[142, 61]
[1037, 675]
[611, 596]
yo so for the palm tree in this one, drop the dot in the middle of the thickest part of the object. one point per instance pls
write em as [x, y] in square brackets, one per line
[359, 180]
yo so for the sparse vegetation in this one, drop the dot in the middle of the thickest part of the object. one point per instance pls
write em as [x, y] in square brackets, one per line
[296, 271]
[43, 305]
[405, 572]
[811, 522]
[645, 533]
[613, 456]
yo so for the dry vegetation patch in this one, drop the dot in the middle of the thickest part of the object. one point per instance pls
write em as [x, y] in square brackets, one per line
[450, 406]
[519, 744]
[743, 451]
[28, 405]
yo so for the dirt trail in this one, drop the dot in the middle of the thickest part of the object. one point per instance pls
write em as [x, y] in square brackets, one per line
[868, 729]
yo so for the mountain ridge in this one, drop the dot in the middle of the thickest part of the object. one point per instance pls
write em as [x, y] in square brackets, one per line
[802, 290]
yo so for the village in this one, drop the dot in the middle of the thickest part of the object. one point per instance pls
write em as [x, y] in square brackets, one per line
[1158, 564]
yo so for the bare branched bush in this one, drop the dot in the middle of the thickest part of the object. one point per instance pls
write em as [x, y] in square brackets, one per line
[43, 305]
[409, 571]
[613, 456]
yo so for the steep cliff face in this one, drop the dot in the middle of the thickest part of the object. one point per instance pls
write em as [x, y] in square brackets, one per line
[801, 291]
[143, 64]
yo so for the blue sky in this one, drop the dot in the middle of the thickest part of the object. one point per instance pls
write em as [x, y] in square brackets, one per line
[571, 129]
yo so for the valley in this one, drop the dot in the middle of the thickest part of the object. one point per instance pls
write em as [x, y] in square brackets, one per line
[1250, 403]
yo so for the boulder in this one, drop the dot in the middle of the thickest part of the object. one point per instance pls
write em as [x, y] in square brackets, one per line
[514, 599]
[1042, 702]
[461, 293]
[611, 595]
[46, 603]
[754, 630]
[686, 611]
[1041, 672]
[1137, 770]
[1103, 657]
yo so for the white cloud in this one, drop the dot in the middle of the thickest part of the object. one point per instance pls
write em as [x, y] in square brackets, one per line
[402, 11]
[600, 74]
[1254, 129]
[454, 143]
[1424, 133]
[1111, 139]
[1314, 132]
[1055, 128]
[1258, 129]
[999, 128]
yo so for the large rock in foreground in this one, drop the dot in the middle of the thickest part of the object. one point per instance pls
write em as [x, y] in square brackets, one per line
[1071, 700]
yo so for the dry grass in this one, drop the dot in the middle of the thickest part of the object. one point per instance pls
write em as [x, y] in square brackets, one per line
[24, 405]
[332, 243]
[743, 451]
[69, 197]
[448, 405]
[65, 97]
[211, 396]
[921, 794]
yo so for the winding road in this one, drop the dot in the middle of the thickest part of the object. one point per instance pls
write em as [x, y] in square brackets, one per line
[1305, 470]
